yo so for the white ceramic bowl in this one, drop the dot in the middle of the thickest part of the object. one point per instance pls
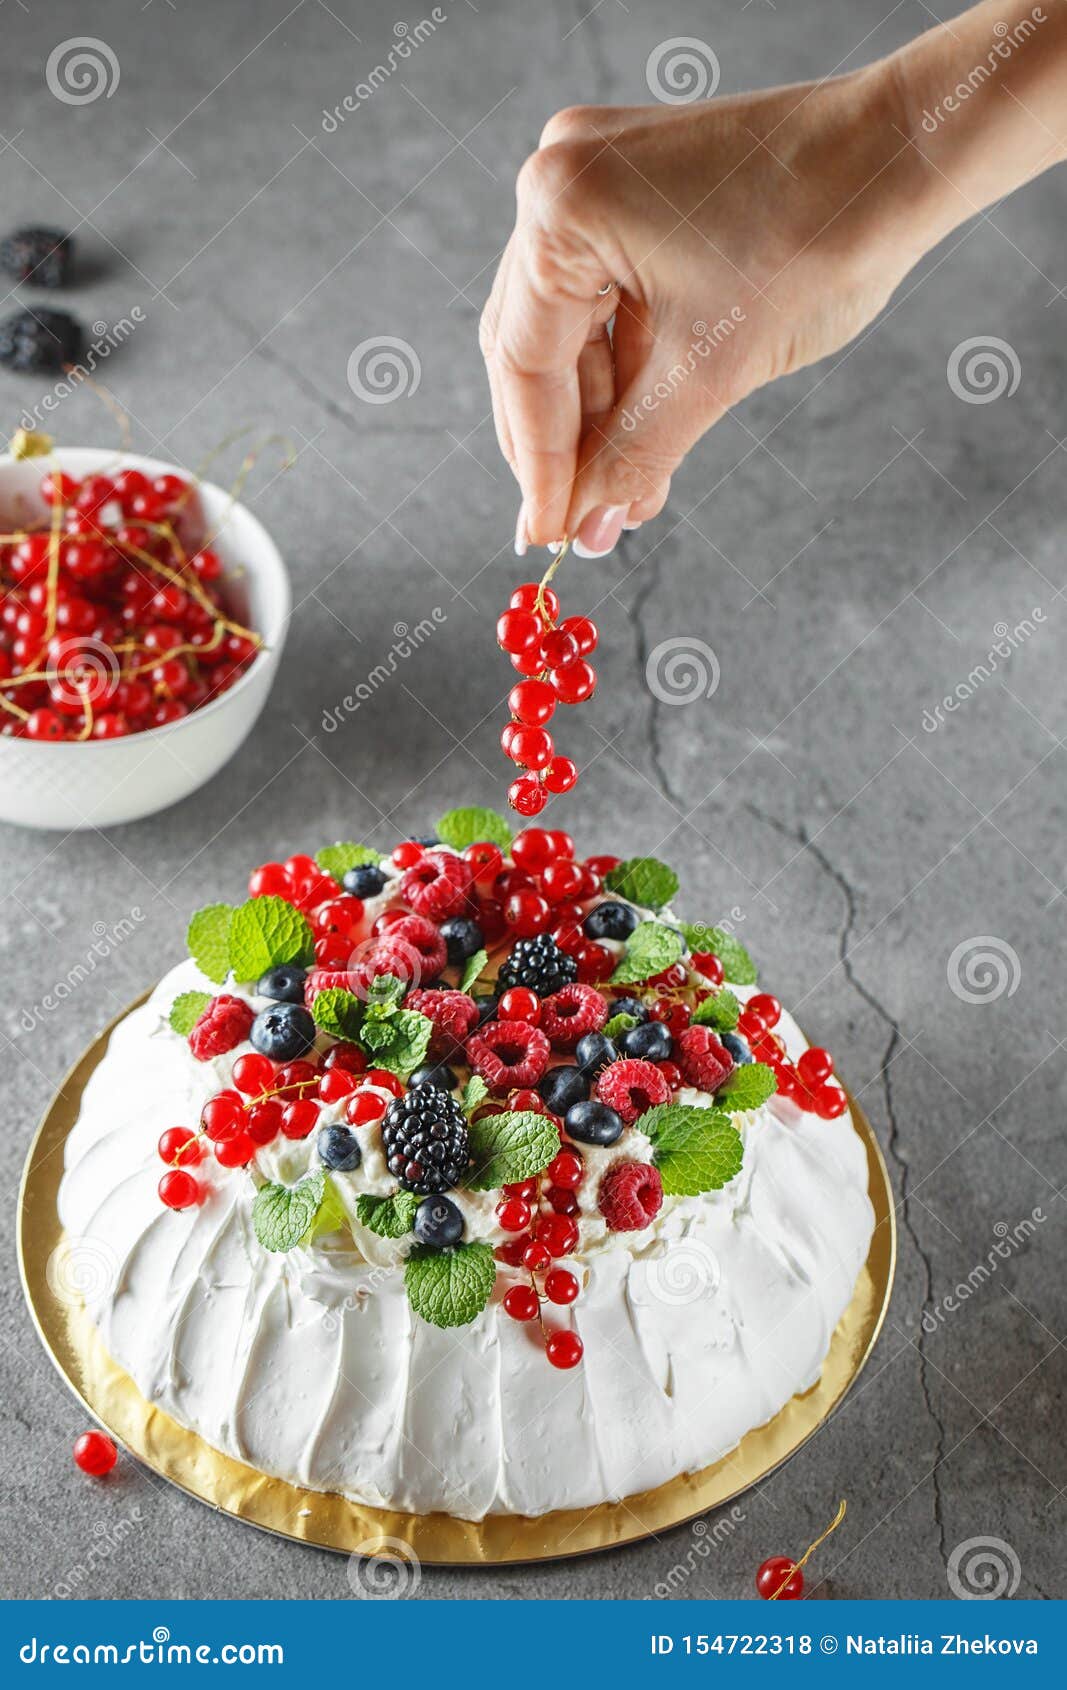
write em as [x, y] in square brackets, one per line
[104, 782]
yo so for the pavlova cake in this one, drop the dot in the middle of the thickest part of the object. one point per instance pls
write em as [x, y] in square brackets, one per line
[467, 1178]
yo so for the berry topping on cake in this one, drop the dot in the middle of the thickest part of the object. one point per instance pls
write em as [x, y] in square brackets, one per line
[226, 1022]
[437, 886]
[630, 1087]
[572, 1012]
[338, 1148]
[284, 984]
[438, 1223]
[538, 963]
[364, 881]
[283, 1031]
[509, 1054]
[704, 1060]
[454, 1016]
[424, 1135]
[593, 1123]
[630, 1196]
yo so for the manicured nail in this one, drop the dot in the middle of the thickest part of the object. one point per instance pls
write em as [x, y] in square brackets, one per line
[627, 527]
[599, 531]
[520, 533]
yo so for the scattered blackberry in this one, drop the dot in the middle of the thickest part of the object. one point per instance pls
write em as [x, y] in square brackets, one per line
[39, 340]
[538, 964]
[425, 1138]
[41, 256]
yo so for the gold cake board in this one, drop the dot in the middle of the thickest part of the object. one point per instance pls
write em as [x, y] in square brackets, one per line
[333, 1522]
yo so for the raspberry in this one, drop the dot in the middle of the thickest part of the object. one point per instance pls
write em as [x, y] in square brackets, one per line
[417, 944]
[437, 886]
[508, 1054]
[630, 1087]
[630, 1196]
[704, 1061]
[571, 1013]
[454, 1016]
[226, 1022]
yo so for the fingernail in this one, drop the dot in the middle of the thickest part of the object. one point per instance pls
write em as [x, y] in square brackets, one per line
[520, 533]
[628, 526]
[599, 531]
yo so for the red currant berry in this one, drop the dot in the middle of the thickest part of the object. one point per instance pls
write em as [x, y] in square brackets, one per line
[532, 702]
[603, 866]
[535, 1257]
[335, 1084]
[511, 1252]
[178, 1189]
[815, 1065]
[264, 1121]
[521, 1188]
[365, 1108]
[750, 1026]
[407, 854]
[180, 1146]
[672, 1074]
[828, 1102]
[386, 1081]
[270, 880]
[95, 1453]
[253, 1074]
[564, 1349]
[567, 1170]
[346, 1056]
[558, 647]
[560, 844]
[530, 597]
[595, 963]
[222, 1115]
[531, 849]
[45, 724]
[235, 1152]
[560, 1286]
[527, 913]
[766, 1007]
[561, 880]
[485, 860]
[774, 1578]
[583, 631]
[574, 682]
[521, 1302]
[563, 1202]
[560, 775]
[519, 1004]
[558, 1233]
[513, 1214]
[708, 965]
[518, 631]
[530, 748]
[299, 1118]
[526, 795]
[296, 1079]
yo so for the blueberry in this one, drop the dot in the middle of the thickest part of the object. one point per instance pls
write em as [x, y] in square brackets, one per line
[425, 839]
[285, 984]
[284, 1031]
[651, 1042]
[630, 1006]
[433, 1074]
[438, 1222]
[486, 1006]
[593, 1052]
[610, 921]
[738, 1049]
[366, 881]
[562, 1087]
[463, 938]
[593, 1123]
[339, 1148]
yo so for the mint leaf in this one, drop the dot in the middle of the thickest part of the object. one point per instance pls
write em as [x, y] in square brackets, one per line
[720, 1012]
[389, 1217]
[282, 1214]
[397, 1039]
[330, 1216]
[747, 1087]
[737, 965]
[186, 1011]
[450, 1287]
[471, 970]
[338, 1012]
[460, 828]
[265, 932]
[509, 1148]
[696, 1150]
[338, 859]
[384, 991]
[208, 938]
[620, 1023]
[645, 881]
[474, 1092]
[650, 949]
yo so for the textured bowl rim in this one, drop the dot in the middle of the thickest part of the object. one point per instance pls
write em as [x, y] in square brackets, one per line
[271, 563]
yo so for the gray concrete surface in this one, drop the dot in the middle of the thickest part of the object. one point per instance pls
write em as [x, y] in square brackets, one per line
[847, 543]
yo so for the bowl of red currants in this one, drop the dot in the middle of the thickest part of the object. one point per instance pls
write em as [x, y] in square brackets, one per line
[142, 616]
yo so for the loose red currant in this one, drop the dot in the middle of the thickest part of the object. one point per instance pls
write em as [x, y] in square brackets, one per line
[563, 1202]
[530, 597]
[337, 1083]
[603, 866]
[519, 1004]
[513, 1214]
[180, 1146]
[521, 1188]
[526, 1102]
[583, 631]
[526, 795]
[561, 880]
[708, 965]
[527, 913]
[365, 1108]
[567, 1170]
[560, 844]
[408, 853]
[178, 1189]
[95, 1453]
[828, 1102]
[531, 849]
[346, 1056]
[519, 631]
[296, 1079]
[384, 1080]
[511, 1252]
[672, 1074]
[750, 1026]
[774, 1578]
[235, 1152]
[560, 1286]
[815, 1065]
[264, 1121]
[340, 916]
[560, 775]
[299, 1118]
[532, 702]
[564, 1349]
[253, 1074]
[535, 1257]
[485, 860]
[574, 682]
[558, 1233]
[766, 1007]
[222, 1115]
[521, 1302]
[595, 963]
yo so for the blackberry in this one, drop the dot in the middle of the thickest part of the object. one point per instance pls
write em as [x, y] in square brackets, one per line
[425, 1138]
[538, 964]
[39, 340]
[41, 256]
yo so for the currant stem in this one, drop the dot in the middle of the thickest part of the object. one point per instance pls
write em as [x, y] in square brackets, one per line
[546, 581]
[842, 1508]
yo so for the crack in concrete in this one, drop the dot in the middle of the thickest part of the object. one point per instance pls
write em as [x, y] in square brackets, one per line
[801, 837]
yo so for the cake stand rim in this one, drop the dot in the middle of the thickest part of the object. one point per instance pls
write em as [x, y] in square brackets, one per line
[548, 1533]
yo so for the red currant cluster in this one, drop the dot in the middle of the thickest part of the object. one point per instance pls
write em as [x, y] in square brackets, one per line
[807, 1082]
[109, 625]
[552, 656]
[266, 1099]
[542, 1217]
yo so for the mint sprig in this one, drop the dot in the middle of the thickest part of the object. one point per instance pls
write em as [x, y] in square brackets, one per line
[338, 1013]
[620, 1024]
[336, 860]
[450, 1287]
[388, 1217]
[471, 826]
[265, 932]
[737, 965]
[208, 939]
[747, 1088]
[282, 1214]
[696, 1150]
[720, 1012]
[186, 1011]
[645, 881]
[398, 1039]
[471, 970]
[650, 949]
[508, 1148]
[474, 1092]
